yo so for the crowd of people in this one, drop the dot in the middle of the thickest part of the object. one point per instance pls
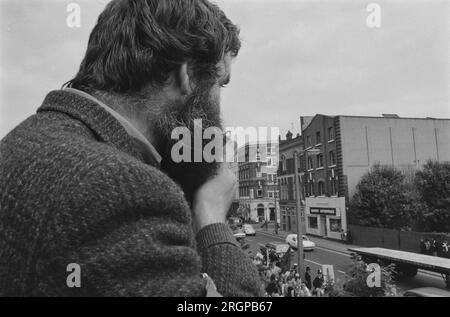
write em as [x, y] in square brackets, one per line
[435, 247]
[288, 283]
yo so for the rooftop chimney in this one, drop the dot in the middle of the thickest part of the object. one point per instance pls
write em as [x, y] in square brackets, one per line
[289, 136]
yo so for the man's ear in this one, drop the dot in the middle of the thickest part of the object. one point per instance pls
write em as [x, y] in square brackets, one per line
[182, 80]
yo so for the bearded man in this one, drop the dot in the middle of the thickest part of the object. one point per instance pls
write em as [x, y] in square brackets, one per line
[88, 184]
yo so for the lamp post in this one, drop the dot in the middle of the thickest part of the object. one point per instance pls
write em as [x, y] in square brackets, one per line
[299, 217]
[275, 201]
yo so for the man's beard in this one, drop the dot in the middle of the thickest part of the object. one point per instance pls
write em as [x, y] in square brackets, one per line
[189, 175]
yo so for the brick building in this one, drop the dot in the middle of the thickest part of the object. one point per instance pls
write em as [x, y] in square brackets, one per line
[339, 150]
[258, 189]
[286, 179]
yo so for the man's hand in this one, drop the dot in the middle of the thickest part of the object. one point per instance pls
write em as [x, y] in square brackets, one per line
[213, 200]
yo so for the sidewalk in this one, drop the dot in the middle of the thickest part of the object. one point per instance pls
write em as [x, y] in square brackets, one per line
[319, 241]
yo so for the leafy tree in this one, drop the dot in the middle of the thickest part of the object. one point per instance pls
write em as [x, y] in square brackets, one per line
[433, 187]
[355, 283]
[383, 199]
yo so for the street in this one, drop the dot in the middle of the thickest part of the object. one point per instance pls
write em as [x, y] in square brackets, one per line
[340, 261]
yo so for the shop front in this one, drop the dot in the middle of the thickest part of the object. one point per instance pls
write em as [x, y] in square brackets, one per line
[326, 217]
[260, 210]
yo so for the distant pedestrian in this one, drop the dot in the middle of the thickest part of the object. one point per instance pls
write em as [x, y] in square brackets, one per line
[290, 291]
[428, 247]
[272, 287]
[304, 291]
[434, 247]
[308, 277]
[423, 248]
[318, 284]
[343, 235]
[294, 269]
[445, 250]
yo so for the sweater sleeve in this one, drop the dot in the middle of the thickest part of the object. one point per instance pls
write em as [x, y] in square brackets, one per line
[128, 227]
[226, 263]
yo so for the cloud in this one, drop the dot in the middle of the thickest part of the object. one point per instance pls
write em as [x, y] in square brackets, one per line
[320, 57]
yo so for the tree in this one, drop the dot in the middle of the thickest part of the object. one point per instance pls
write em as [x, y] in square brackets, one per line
[433, 187]
[355, 282]
[383, 199]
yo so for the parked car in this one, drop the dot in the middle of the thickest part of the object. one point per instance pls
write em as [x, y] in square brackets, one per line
[308, 245]
[234, 221]
[249, 230]
[239, 234]
[427, 292]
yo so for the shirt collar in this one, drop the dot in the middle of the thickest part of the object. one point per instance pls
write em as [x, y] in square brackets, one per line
[147, 150]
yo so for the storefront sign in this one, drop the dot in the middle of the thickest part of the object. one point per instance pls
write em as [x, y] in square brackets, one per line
[322, 211]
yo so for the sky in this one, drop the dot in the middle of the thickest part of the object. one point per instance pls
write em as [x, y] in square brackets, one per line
[298, 58]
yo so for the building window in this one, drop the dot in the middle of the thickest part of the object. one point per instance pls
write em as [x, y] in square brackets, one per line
[333, 185]
[304, 190]
[312, 223]
[318, 138]
[310, 163]
[335, 225]
[290, 188]
[308, 141]
[311, 188]
[321, 189]
[320, 160]
[260, 192]
[332, 158]
[330, 134]
[283, 163]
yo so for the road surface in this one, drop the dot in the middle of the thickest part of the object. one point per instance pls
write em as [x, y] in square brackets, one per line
[341, 262]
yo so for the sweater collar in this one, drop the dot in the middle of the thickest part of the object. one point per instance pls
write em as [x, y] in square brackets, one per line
[107, 124]
[142, 144]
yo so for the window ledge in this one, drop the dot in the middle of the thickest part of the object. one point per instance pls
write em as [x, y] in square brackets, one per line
[330, 141]
[331, 166]
[320, 168]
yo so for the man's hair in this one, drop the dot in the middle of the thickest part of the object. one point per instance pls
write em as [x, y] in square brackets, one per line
[140, 42]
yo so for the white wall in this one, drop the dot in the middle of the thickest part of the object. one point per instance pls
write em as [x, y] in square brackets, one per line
[326, 202]
[399, 142]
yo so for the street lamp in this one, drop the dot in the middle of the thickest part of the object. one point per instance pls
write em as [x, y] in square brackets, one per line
[299, 222]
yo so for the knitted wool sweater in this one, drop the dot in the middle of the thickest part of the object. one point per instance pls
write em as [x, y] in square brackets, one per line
[73, 189]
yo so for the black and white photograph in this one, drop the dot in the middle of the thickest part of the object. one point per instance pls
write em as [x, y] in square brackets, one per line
[221, 153]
